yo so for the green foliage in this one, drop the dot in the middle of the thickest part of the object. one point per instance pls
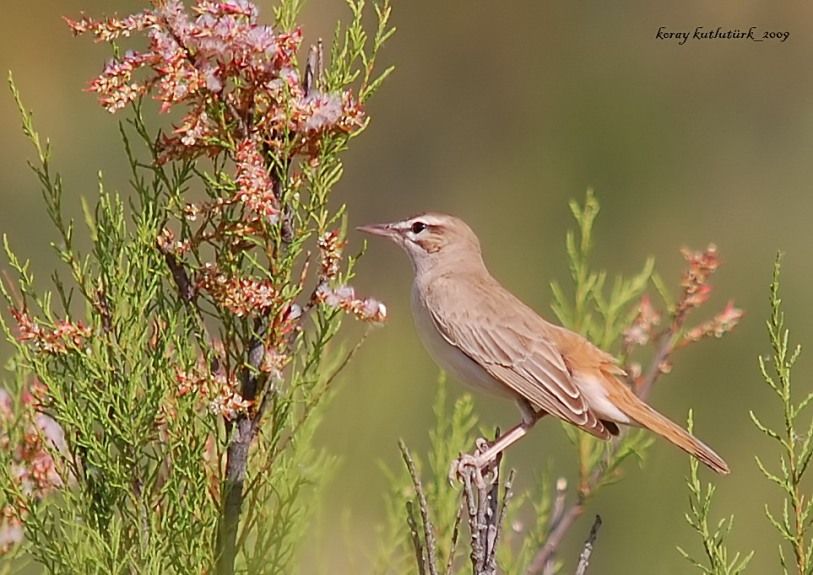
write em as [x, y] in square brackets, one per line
[595, 309]
[713, 537]
[601, 314]
[173, 398]
[129, 448]
[454, 432]
[793, 438]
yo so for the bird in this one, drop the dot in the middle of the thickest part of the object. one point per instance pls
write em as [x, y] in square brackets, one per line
[484, 336]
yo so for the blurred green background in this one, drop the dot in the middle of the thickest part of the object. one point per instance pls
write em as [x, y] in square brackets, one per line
[500, 113]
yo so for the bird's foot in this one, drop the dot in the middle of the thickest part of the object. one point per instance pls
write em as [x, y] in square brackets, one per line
[473, 463]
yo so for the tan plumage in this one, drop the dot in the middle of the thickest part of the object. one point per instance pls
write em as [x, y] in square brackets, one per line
[489, 339]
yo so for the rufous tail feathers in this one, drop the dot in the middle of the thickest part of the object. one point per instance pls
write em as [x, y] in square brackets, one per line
[647, 417]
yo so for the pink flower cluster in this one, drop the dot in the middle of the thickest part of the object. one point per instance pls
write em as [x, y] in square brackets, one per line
[255, 189]
[228, 403]
[11, 529]
[168, 245]
[241, 296]
[331, 247]
[344, 298]
[218, 62]
[33, 466]
[112, 28]
[696, 290]
[242, 96]
[65, 335]
[642, 329]
[219, 389]
[718, 326]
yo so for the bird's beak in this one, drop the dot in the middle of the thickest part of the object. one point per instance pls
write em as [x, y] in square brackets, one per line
[384, 230]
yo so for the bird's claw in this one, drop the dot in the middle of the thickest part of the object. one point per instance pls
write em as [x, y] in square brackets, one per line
[467, 465]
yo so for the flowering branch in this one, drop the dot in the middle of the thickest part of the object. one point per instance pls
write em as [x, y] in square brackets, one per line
[205, 352]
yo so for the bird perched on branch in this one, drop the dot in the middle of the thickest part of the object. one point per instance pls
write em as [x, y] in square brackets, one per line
[488, 339]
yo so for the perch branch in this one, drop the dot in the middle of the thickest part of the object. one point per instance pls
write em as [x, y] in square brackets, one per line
[485, 514]
[430, 554]
[584, 558]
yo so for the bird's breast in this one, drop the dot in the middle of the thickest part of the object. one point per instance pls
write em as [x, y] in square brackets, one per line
[449, 357]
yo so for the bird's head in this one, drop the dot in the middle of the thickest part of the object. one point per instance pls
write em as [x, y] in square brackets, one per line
[430, 238]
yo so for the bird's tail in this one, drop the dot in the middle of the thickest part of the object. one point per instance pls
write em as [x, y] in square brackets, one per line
[647, 417]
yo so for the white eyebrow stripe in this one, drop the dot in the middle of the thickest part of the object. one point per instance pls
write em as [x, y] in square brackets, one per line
[427, 219]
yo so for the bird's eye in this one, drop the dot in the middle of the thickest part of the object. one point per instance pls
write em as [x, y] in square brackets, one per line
[418, 227]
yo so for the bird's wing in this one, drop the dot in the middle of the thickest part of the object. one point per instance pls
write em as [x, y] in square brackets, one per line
[514, 349]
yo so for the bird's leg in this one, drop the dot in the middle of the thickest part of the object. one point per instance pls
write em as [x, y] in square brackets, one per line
[481, 459]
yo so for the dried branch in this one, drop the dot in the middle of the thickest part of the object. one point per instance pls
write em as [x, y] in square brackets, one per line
[186, 291]
[666, 345]
[455, 536]
[556, 516]
[587, 551]
[485, 514]
[545, 555]
[420, 552]
[429, 557]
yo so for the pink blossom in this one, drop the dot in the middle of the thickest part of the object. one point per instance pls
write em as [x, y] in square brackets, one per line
[115, 86]
[718, 326]
[241, 296]
[641, 330]
[255, 189]
[196, 128]
[273, 363]
[320, 112]
[64, 336]
[11, 533]
[228, 403]
[727, 319]
[697, 296]
[331, 246]
[227, 7]
[344, 298]
[112, 28]
[32, 464]
[219, 58]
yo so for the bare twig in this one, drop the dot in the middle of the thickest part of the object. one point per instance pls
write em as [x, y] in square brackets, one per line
[420, 552]
[423, 506]
[508, 493]
[665, 348]
[584, 558]
[455, 536]
[186, 290]
[545, 554]
[485, 514]
[314, 70]
[556, 516]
